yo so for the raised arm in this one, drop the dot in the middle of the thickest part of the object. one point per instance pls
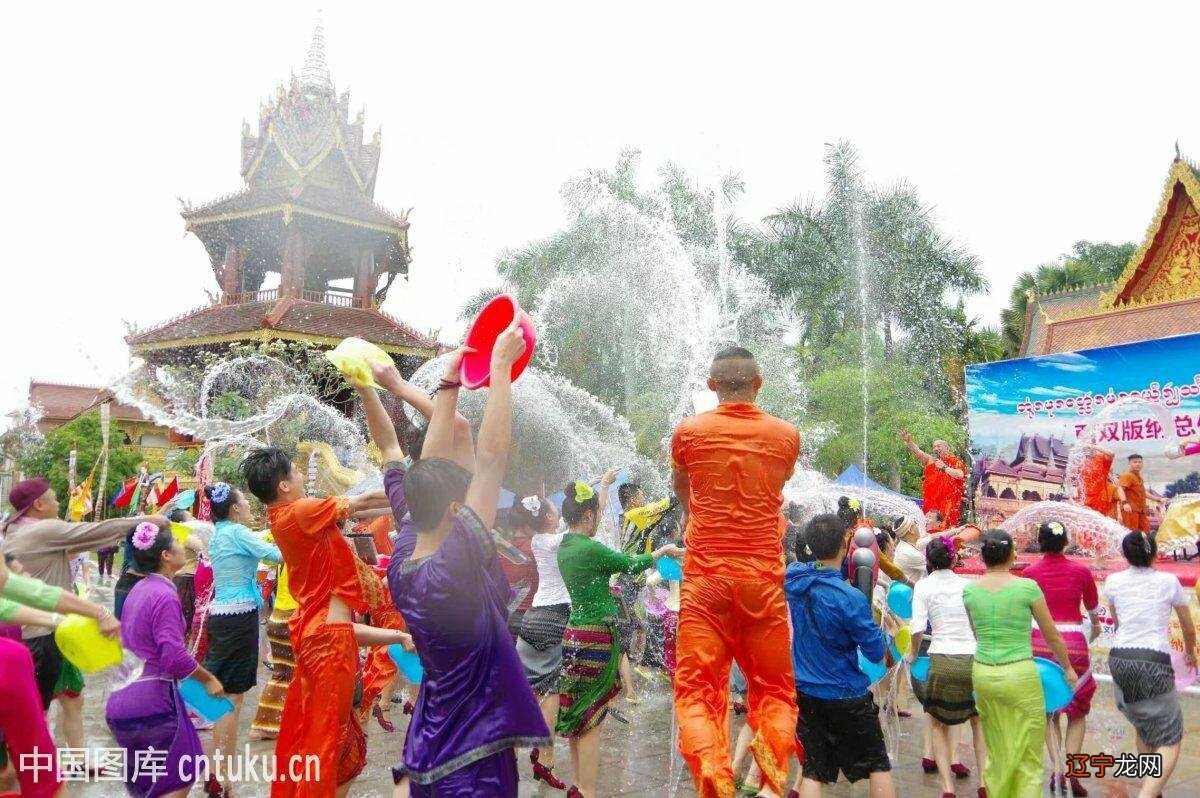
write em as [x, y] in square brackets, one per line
[906, 436]
[464, 443]
[439, 437]
[495, 433]
[379, 424]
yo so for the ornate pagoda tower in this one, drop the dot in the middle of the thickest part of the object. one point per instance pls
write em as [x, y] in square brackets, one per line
[307, 214]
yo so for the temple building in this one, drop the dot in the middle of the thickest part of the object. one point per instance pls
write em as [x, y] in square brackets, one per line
[1034, 474]
[1157, 295]
[302, 252]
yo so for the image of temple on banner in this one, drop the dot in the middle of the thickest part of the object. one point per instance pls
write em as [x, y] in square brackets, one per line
[1026, 415]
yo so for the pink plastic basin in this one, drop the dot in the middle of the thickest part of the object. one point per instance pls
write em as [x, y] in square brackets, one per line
[475, 370]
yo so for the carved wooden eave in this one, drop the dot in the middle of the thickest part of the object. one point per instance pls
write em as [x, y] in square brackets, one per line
[1174, 234]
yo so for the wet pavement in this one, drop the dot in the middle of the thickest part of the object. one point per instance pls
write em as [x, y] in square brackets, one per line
[638, 757]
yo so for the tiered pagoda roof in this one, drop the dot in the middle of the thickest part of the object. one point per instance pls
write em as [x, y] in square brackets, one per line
[271, 318]
[307, 213]
[1156, 296]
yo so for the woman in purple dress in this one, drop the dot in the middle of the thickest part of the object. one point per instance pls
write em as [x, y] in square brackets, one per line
[149, 713]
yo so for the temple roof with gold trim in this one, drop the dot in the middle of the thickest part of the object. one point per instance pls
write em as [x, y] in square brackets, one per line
[1156, 296]
[284, 319]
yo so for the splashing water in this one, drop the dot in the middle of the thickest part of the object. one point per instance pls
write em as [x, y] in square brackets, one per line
[1098, 433]
[814, 493]
[243, 403]
[1087, 529]
[668, 304]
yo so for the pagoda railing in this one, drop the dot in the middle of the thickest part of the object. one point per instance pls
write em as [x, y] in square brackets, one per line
[335, 298]
[270, 295]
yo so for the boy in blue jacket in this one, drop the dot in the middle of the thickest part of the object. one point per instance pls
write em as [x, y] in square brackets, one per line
[839, 725]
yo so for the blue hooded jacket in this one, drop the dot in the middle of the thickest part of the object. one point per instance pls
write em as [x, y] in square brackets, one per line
[830, 621]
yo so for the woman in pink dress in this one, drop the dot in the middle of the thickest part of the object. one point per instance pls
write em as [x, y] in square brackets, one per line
[1068, 586]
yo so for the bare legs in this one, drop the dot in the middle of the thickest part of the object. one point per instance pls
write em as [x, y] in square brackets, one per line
[878, 786]
[585, 761]
[939, 734]
[626, 671]
[549, 706]
[1153, 786]
[70, 720]
[225, 733]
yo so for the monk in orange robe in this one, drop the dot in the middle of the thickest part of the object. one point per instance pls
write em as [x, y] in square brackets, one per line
[945, 476]
[729, 466]
[329, 583]
[1096, 489]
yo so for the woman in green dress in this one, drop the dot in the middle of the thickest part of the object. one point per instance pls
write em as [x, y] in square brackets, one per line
[590, 651]
[1008, 691]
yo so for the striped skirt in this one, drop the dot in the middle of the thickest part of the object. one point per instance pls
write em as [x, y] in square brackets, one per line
[948, 692]
[1081, 661]
[270, 703]
[589, 677]
[1144, 687]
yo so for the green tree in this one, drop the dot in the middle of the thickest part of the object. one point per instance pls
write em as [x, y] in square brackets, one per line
[866, 251]
[1088, 264]
[897, 399]
[51, 457]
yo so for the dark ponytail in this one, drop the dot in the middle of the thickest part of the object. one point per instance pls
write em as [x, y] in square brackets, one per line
[1139, 549]
[573, 509]
[222, 497]
[938, 556]
[997, 547]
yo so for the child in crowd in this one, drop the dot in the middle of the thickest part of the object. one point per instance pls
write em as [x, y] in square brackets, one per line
[839, 727]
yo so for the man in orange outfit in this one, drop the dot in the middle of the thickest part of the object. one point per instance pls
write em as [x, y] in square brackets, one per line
[729, 467]
[1135, 509]
[328, 582]
[945, 476]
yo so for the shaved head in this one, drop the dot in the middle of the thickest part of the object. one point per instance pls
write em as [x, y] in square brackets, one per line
[734, 375]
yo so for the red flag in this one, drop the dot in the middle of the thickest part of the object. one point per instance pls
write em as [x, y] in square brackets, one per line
[125, 495]
[166, 494]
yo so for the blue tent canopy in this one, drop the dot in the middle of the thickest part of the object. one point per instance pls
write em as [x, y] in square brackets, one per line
[854, 477]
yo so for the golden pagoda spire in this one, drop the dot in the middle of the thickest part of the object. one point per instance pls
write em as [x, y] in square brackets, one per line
[316, 70]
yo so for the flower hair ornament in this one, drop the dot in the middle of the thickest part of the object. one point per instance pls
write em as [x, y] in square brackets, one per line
[220, 492]
[144, 535]
[951, 544]
[1056, 529]
[583, 492]
[533, 504]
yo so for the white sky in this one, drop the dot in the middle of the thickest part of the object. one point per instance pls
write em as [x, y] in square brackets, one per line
[1027, 127]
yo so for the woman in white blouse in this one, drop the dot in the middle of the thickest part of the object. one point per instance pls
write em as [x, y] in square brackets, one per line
[539, 641]
[1140, 602]
[947, 691]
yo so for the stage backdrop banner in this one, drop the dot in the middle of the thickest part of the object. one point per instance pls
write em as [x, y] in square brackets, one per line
[1025, 414]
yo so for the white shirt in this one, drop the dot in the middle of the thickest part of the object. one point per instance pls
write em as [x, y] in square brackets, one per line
[551, 588]
[910, 560]
[938, 600]
[1143, 599]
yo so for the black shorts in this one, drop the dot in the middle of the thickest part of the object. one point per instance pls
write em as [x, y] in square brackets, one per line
[233, 650]
[47, 665]
[841, 734]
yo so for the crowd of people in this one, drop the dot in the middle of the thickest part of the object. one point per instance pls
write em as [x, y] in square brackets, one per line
[532, 635]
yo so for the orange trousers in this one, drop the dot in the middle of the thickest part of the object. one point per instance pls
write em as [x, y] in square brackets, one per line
[321, 744]
[722, 619]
